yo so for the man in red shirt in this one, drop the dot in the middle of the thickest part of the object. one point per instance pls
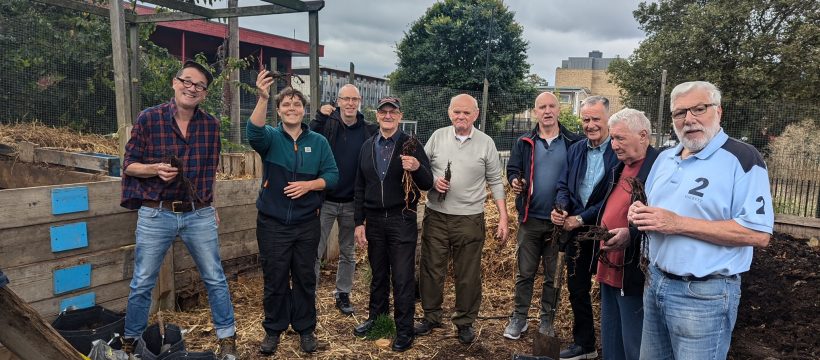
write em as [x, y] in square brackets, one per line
[618, 269]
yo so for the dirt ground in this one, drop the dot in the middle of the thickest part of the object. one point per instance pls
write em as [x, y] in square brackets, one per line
[777, 317]
[780, 303]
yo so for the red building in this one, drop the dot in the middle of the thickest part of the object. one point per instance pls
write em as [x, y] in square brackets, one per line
[185, 39]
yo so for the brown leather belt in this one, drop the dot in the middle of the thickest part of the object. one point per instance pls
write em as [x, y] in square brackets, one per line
[175, 205]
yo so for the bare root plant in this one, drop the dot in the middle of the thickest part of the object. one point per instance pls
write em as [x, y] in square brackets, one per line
[410, 188]
[447, 175]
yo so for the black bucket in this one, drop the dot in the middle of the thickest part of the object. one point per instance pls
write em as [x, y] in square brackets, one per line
[81, 327]
[150, 343]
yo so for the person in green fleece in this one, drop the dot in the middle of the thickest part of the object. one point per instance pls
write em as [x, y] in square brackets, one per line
[298, 166]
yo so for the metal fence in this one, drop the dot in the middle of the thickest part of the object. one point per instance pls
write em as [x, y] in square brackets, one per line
[55, 68]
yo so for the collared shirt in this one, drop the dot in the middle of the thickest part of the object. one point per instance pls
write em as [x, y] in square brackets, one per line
[550, 160]
[727, 180]
[383, 149]
[154, 139]
[595, 169]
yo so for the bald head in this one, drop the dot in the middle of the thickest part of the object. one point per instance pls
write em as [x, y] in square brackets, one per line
[546, 112]
[463, 112]
[348, 102]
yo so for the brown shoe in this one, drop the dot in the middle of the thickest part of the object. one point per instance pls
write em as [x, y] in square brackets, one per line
[227, 348]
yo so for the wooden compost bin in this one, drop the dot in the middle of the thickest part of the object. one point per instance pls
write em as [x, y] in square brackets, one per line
[65, 240]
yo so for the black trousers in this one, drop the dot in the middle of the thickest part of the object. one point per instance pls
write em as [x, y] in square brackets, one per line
[288, 254]
[579, 284]
[391, 250]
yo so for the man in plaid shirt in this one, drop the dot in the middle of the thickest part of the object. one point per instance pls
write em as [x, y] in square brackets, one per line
[169, 172]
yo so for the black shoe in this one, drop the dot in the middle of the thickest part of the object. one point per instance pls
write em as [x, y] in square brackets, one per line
[466, 335]
[363, 328]
[577, 352]
[401, 343]
[269, 344]
[425, 327]
[307, 342]
[343, 303]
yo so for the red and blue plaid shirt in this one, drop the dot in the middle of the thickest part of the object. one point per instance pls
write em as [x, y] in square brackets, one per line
[154, 139]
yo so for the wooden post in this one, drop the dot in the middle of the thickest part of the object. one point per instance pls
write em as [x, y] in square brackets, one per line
[658, 141]
[122, 87]
[233, 40]
[313, 34]
[164, 296]
[136, 100]
[26, 334]
[485, 98]
[351, 76]
[274, 120]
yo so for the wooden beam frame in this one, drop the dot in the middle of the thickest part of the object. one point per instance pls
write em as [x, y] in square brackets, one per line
[183, 6]
[227, 12]
[85, 7]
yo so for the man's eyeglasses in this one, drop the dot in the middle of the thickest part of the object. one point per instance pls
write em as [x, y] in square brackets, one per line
[695, 110]
[349, 99]
[188, 83]
[393, 112]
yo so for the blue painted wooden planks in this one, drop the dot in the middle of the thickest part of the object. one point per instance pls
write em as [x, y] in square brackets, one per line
[83, 301]
[72, 278]
[69, 237]
[69, 200]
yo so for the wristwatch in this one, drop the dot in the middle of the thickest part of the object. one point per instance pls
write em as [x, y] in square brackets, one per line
[579, 219]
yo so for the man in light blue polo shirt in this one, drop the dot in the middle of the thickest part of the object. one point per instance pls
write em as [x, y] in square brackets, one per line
[709, 205]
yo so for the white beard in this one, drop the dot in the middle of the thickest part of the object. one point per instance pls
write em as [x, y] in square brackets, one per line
[695, 145]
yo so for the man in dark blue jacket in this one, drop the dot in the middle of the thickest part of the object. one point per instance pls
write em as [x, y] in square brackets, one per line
[345, 130]
[536, 162]
[581, 191]
[392, 172]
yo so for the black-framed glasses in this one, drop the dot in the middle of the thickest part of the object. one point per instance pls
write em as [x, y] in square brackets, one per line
[188, 83]
[696, 110]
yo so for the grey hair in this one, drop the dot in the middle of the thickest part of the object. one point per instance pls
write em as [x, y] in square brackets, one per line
[350, 86]
[453, 99]
[635, 120]
[596, 99]
[685, 88]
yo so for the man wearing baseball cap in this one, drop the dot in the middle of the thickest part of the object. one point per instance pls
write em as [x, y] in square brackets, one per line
[393, 169]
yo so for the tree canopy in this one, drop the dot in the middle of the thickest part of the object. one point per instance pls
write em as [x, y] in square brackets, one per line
[454, 45]
[754, 50]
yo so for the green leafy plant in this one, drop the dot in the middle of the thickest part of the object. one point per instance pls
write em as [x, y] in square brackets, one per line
[383, 328]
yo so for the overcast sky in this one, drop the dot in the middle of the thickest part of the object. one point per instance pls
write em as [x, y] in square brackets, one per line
[366, 31]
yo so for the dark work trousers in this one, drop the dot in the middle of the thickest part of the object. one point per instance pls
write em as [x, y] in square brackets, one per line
[463, 237]
[391, 250]
[579, 284]
[535, 246]
[287, 254]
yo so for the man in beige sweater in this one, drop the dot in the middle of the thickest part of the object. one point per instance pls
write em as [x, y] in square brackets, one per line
[454, 222]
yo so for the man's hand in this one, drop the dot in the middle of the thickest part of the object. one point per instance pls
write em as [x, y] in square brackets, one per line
[558, 218]
[619, 241]
[263, 83]
[630, 214]
[648, 218]
[518, 186]
[409, 163]
[327, 109]
[503, 231]
[359, 236]
[166, 172]
[296, 189]
[442, 185]
[571, 223]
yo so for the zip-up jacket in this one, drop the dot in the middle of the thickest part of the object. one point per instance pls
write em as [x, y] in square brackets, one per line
[569, 184]
[306, 158]
[633, 280]
[522, 161]
[373, 194]
[345, 142]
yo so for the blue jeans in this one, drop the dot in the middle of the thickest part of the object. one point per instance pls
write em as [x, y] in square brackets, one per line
[156, 231]
[621, 322]
[688, 319]
[343, 213]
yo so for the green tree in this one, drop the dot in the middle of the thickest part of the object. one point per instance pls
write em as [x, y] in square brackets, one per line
[756, 51]
[450, 49]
